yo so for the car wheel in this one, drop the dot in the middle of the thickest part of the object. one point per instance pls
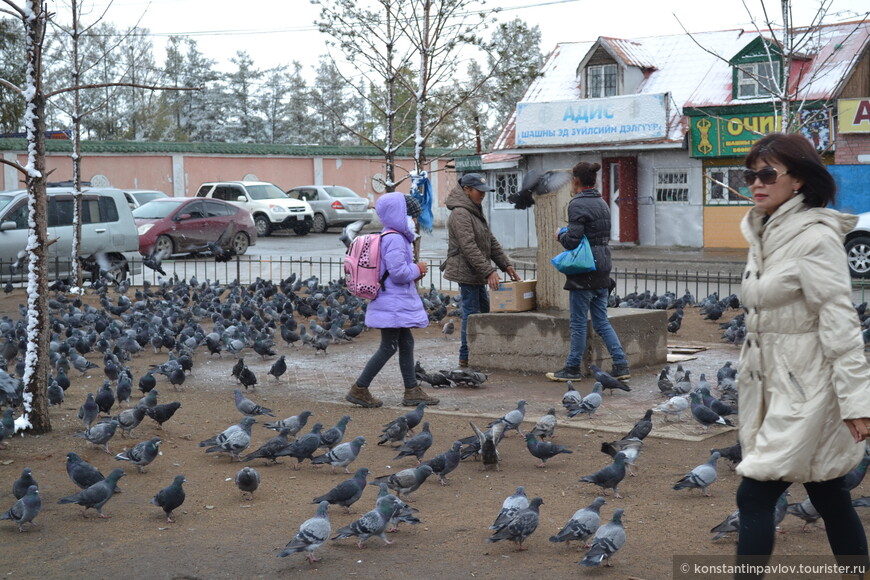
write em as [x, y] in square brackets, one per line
[302, 229]
[319, 226]
[164, 245]
[240, 243]
[264, 228]
[858, 255]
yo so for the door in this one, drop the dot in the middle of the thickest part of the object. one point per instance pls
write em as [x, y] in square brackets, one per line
[613, 187]
[191, 231]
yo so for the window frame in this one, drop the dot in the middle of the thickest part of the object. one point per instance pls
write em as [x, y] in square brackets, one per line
[730, 173]
[659, 187]
[500, 198]
[602, 89]
[746, 74]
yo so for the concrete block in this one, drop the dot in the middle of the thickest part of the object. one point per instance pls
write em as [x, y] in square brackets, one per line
[538, 342]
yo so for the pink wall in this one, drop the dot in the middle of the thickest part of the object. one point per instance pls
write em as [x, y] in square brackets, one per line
[284, 172]
[126, 172]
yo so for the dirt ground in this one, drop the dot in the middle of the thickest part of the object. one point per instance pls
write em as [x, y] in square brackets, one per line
[220, 534]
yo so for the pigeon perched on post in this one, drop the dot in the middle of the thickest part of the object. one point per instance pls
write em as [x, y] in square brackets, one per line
[544, 450]
[416, 445]
[311, 535]
[142, 453]
[511, 505]
[25, 510]
[405, 481]
[341, 455]
[610, 476]
[246, 406]
[521, 526]
[607, 380]
[608, 539]
[171, 497]
[96, 495]
[582, 525]
[347, 492]
[248, 480]
[513, 419]
[701, 477]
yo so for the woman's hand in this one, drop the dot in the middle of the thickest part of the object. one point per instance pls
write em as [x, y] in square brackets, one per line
[859, 428]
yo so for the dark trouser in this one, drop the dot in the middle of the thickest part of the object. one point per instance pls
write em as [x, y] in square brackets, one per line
[392, 339]
[757, 501]
[475, 299]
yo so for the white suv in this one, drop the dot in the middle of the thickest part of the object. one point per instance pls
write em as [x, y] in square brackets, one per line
[271, 208]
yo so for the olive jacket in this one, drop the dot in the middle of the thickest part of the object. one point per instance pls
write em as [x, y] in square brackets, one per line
[471, 247]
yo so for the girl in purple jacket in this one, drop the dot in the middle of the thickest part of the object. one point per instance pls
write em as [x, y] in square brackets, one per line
[398, 307]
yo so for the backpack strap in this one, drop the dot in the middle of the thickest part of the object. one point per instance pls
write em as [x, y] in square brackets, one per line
[384, 277]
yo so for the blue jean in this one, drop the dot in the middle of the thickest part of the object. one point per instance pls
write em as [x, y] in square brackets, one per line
[475, 299]
[392, 340]
[594, 302]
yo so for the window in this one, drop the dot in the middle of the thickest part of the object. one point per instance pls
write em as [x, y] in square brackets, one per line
[672, 185]
[600, 81]
[725, 186]
[214, 209]
[757, 79]
[506, 184]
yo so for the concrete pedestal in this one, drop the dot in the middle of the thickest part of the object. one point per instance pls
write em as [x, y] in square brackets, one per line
[538, 342]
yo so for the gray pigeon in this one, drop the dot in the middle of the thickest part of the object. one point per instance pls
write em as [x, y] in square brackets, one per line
[523, 525]
[727, 526]
[610, 476]
[544, 450]
[89, 412]
[248, 407]
[248, 480]
[607, 541]
[347, 492]
[341, 455]
[373, 523]
[82, 473]
[412, 418]
[806, 511]
[444, 463]
[55, 394]
[630, 447]
[571, 400]
[141, 454]
[642, 427]
[546, 425]
[271, 449]
[97, 494]
[513, 419]
[510, 507]
[25, 509]
[405, 481]
[304, 447]
[395, 431]
[401, 512]
[311, 535]
[333, 436]
[129, 419]
[701, 476]
[171, 497]
[704, 415]
[674, 406]
[232, 440]
[607, 380]
[582, 525]
[417, 445]
[24, 481]
[293, 424]
[683, 383]
[100, 434]
[589, 403]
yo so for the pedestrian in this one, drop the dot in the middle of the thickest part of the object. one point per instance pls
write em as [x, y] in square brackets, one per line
[398, 307]
[803, 378]
[588, 215]
[471, 250]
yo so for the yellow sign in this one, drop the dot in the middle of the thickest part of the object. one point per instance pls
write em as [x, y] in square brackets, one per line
[854, 115]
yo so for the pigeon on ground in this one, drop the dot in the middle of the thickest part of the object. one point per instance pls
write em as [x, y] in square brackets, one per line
[232, 440]
[582, 525]
[683, 385]
[100, 434]
[412, 418]
[149, 400]
[305, 447]
[277, 370]
[513, 419]
[147, 382]
[105, 398]
[395, 431]
[589, 403]
[129, 419]
[171, 497]
[806, 511]
[270, 449]
[405, 481]
[854, 478]
[544, 450]
[448, 327]
[642, 428]
[701, 477]
[97, 494]
[608, 539]
[444, 463]
[24, 481]
[510, 507]
[610, 476]
[631, 448]
[715, 404]
[141, 454]
[728, 525]
[89, 411]
[333, 436]
[82, 473]
[247, 378]
[293, 424]
[163, 412]
[248, 407]
[248, 480]
[734, 454]
[26, 509]
[674, 406]
[571, 400]
[607, 380]
[726, 372]
[523, 525]
[373, 523]
[401, 512]
[416, 445]
[347, 492]
[341, 455]
[311, 535]
[55, 394]
[666, 386]
[704, 415]
[546, 425]
[486, 443]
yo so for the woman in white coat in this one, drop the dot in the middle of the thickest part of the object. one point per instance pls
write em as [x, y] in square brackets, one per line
[804, 381]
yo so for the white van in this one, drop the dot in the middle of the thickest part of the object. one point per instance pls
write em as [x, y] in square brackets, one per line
[271, 208]
[107, 228]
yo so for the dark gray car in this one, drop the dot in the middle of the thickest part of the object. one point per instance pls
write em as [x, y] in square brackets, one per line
[333, 205]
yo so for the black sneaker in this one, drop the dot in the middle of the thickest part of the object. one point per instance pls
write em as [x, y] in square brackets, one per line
[620, 372]
[566, 374]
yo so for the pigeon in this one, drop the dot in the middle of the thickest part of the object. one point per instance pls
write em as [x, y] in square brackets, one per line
[608, 539]
[277, 370]
[82, 473]
[674, 406]
[728, 525]
[521, 526]
[486, 444]
[24, 481]
[412, 418]
[511, 505]
[537, 183]
[683, 385]
[232, 440]
[333, 436]
[607, 380]
[666, 386]
[405, 481]
[55, 394]
[715, 404]
[237, 368]
[347, 492]
[170, 497]
[147, 382]
[373, 523]
[100, 434]
[546, 425]
[341, 455]
[89, 411]
[248, 480]
[610, 476]
[25, 510]
[394, 431]
[444, 463]
[149, 400]
[96, 495]
[304, 447]
[293, 424]
[702, 476]
[129, 419]
[448, 327]
[734, 454]
[726, 372]
[248, 407]
[247, 378]
[105, 398]
[163, 412]
[416, 445]
[544, 450]
[704, 415]
[589, 403]
[582, 525]
[270, 449]
[805, 511]
[513, 419]
[141, 454]
[571, 400]
[854, 478]
[631, 448]
[400, 511]
[311, 535]
[153, 260]
[642, 428]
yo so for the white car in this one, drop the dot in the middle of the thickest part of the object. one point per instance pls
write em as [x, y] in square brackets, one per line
[858, 247]
[271, 208]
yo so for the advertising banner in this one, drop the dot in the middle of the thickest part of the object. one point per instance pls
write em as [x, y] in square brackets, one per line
[854, 115]
[733, 135]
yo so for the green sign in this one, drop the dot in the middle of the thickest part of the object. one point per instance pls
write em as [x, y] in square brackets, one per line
[733, 135]
[470, 163]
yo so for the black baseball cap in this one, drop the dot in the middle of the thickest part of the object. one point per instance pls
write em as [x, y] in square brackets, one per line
[475, 181]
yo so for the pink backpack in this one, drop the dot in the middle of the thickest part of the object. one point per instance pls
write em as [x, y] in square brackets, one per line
[362, 264]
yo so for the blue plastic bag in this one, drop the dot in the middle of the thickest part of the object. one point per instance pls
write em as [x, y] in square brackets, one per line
[577, 261]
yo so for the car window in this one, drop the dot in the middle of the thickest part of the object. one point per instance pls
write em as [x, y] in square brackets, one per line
[306, 194]
[265, 191]
[5, 200]
[157, 210]
[60, 212]
[293, 193]
[203, 190]
[339, 191]
[196, 210]
[144, 197]
[214, 209]
[19, 216]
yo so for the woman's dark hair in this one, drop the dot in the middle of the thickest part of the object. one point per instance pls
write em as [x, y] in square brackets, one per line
[802, 161]
[586, 173]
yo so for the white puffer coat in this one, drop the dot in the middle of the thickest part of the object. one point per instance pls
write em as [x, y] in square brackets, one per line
[802, 367]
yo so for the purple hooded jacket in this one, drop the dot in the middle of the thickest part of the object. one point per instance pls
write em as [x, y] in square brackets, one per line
[398, 304]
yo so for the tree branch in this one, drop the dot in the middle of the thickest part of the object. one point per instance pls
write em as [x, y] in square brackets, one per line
[14, 164]
[16, 11]
[129, 85]
[11, 87]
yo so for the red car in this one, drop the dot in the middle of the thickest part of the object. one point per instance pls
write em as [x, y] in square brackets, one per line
[178, 225]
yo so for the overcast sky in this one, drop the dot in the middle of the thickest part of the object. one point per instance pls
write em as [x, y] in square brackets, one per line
[277, 32]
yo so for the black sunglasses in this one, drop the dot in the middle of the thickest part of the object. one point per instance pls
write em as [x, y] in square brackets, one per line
[767, 175]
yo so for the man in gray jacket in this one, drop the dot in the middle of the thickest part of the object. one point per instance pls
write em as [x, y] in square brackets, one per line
[471, 250]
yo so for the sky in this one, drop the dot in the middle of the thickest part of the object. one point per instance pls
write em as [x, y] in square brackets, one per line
[276, 32]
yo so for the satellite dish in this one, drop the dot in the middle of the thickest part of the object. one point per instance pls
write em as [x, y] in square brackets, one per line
[100, 181]
[250, 177]
[379, 183]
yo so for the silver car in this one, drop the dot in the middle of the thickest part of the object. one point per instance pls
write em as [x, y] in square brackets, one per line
[333, 205]
[858, 247]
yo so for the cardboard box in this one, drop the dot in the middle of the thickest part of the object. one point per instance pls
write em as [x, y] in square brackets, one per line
[513, 297]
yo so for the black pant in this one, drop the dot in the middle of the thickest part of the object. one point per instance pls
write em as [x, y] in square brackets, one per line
[757, 501]
[392, 339]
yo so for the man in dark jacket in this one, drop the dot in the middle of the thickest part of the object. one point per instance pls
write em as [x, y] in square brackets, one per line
[471, 250]
[588, 215]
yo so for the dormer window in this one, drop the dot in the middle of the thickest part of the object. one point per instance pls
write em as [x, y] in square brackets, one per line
[601, 81]
[757, 79]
